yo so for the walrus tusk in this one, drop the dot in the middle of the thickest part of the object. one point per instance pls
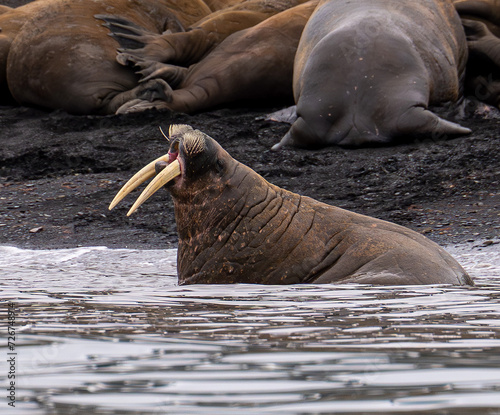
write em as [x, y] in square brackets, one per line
[167, 174]
[140, 177]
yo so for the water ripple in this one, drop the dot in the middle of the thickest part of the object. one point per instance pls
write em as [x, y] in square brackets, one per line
[109, 331]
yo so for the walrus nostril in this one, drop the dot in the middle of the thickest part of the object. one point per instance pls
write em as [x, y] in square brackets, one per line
[160, 165]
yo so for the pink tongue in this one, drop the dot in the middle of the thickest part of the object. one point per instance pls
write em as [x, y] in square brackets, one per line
[172, 157]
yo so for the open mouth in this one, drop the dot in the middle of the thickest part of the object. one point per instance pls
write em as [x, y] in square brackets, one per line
[170, 172]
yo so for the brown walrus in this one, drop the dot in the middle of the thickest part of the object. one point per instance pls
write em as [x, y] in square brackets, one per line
[251, 64]
[235, 227]
[366, 71]
[192, 45]
[56, 54]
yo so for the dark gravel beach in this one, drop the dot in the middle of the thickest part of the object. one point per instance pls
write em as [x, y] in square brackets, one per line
[58, 173]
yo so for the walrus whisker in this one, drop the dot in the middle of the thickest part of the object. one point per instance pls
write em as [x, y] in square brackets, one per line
[163, 134]
[178, 129]
[140, 177]
[194, 142]
[168, 173]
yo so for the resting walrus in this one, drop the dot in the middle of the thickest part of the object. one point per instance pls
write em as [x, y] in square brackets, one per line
[56, 54]
[235, 227]
[251, 64]
[481, 21]
[366, 70]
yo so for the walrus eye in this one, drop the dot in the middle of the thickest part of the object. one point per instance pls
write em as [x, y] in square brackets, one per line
[219, 166]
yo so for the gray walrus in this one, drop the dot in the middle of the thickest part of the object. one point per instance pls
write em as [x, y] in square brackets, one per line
[366, 70]
[56, 54]
[235, 227]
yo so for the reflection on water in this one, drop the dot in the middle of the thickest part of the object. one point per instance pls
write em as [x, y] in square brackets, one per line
[102, 331]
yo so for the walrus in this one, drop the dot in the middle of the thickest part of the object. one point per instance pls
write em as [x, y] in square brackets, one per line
[56, 54]
[251, 64]
[142, 47]
[235, 227]
[481, 21]
[366, 71]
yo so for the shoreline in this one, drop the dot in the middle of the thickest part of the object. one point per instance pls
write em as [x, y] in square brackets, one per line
[59, 172]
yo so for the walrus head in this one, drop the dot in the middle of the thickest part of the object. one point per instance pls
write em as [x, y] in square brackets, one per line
[192, 155]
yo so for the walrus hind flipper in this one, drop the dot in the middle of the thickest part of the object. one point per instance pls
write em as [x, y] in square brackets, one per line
[140, 105]
[420, 122]
[416, 123]
[128, 34]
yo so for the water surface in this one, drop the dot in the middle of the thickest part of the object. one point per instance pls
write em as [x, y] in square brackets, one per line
[101, 331]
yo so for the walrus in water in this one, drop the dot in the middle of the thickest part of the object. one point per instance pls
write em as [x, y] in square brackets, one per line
[235, 227]
[366, 71]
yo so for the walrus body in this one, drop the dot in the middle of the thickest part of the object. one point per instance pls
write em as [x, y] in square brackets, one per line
[235, 227]
[62, 57]
[56, 54]
[251, 64]
[366, 71]
[481, 21]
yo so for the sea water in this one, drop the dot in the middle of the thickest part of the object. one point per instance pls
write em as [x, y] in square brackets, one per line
[104, 331]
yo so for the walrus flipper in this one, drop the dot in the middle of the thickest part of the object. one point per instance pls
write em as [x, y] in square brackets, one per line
[172, 74]
[128, 34]
[140, 105]
[484, 10]
[418, 121]
[150, 91]
[287, 115]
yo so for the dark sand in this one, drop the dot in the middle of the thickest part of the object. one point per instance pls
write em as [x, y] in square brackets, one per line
[58, 173]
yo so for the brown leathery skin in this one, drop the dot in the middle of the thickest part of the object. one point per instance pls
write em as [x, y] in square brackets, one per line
[251, 64]
[481, 21]
[56, 54]
[235, 227]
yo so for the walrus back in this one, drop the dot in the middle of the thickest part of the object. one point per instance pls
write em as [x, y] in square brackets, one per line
[365, 71]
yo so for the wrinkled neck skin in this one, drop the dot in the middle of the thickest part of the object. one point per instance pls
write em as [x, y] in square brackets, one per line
[230, 230]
